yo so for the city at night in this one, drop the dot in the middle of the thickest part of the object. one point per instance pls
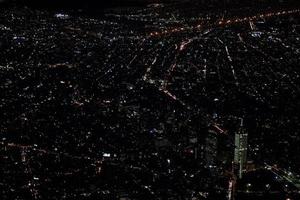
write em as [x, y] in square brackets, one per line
[150, 100]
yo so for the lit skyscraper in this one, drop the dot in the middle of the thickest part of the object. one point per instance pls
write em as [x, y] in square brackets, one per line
[240, 152]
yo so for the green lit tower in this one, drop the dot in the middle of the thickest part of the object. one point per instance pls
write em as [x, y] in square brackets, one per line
[240, 151]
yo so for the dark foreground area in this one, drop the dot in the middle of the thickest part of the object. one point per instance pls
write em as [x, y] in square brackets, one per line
[144, 103]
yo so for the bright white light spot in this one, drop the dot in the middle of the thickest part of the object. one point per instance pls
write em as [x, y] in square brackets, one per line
[107, 155]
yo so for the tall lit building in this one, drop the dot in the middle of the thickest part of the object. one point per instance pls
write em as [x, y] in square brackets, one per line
[211, 143]
[240, 151]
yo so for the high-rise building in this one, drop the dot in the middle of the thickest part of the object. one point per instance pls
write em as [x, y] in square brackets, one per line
[240, 151]
[211, 149]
